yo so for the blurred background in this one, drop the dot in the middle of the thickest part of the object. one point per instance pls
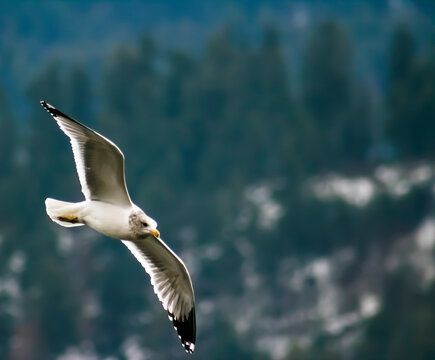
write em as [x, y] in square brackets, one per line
[286, 148]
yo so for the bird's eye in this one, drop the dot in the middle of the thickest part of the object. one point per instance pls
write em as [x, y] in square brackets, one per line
[144, 223]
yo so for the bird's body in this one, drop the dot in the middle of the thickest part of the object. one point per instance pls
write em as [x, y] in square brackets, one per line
[107, 208]
[107, 219]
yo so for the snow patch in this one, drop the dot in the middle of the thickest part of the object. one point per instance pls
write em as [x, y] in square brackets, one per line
[269, 210]
[277, 346]
[321, 269]
[91, 307]
[425, 235]
[369, 305]
[10, 287]
[17, 262]
[355, 191]
[211, 252]
[338, 323]
[359, 191]
[83, 352]
[422, 255]
[188, 234]
[399, 180]
[206, 307]
[133, 351]
[65, 242]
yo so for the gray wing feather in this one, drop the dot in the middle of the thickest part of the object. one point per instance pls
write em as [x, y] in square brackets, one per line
[99, 162]
[168, 274]
[171, 283]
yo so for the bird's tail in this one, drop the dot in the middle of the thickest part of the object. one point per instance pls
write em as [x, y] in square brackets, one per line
[62, 212]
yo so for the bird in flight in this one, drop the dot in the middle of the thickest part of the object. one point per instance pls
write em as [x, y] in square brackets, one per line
[107, 208]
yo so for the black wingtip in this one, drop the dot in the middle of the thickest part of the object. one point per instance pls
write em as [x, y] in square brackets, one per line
[186, 330]
[47, 107]
[54, 112]
[57, 113]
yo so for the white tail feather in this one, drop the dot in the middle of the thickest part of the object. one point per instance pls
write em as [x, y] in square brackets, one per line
[62, 212]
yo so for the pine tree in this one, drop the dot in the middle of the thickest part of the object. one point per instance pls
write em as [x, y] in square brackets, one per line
[327, 89]
[49, 172]
[8, 208]
[50, 160]
[402, 65]
[268, 85]
[411, 94]
[79, 95]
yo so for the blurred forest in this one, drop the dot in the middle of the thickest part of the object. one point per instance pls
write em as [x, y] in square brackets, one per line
[295, 178]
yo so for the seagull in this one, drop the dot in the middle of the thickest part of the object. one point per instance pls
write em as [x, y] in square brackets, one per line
[107, 208]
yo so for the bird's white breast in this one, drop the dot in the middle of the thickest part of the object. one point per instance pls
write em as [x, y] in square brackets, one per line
[107, 219]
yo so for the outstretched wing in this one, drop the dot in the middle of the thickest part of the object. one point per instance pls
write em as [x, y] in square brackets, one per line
[171, 282]
[99, 162]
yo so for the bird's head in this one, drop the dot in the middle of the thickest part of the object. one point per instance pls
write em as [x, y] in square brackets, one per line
[142, 225]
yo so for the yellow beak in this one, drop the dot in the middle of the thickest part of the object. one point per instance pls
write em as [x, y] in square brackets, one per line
[155, 233]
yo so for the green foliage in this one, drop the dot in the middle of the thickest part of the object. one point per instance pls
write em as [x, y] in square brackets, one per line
[326, 71]
[339, 110]
[339, 224]
[56, 307]
[228, 345]
[326, 86]
[9, 135]
[313, 354]
[79, 94]
[406, 325]
[411, 94]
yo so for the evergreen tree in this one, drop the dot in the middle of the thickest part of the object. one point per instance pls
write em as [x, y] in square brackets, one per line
[358, 128]
[8, 167]
[9, 136]
[181, 70]
[411, 94]
[133, 112]
[268, 86]
[9, 214]
[133, 117]
[210, 108]
[49, 153]
[327, 89]
[404, 327]
[48, 301]
[402, 64]
[423, 106]
[79, 95]
[178, 84]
